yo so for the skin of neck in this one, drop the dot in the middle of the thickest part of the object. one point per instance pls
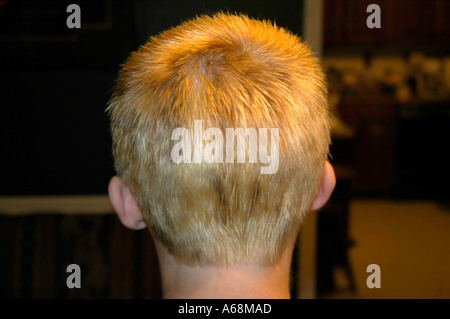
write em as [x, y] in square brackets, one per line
[238, 281]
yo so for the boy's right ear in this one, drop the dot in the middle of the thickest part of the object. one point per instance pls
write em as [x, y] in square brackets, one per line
[125, 204]
[326, 187]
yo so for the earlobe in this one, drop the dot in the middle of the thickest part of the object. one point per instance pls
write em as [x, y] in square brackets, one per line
[326, 187]
[125, 204]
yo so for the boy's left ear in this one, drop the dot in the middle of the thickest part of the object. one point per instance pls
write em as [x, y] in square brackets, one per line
[326, 187]
[125, 204]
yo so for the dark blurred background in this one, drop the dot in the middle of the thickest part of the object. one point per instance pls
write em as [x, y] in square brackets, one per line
[389, 94]
[390, 86]
[56, 82]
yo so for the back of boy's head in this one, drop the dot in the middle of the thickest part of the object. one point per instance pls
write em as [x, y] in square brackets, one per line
[229, 71]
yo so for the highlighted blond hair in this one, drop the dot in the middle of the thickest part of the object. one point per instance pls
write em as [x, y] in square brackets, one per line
[230, 71]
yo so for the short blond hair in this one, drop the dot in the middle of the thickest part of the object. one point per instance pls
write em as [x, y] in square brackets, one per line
[229, 71]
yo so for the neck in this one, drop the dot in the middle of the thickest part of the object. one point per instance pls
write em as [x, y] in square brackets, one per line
[240, 281]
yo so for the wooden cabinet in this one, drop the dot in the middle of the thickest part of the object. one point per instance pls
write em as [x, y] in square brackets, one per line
[373, 121]
[333, 17]
[441, 21]
[413, 21]
[403, 23]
